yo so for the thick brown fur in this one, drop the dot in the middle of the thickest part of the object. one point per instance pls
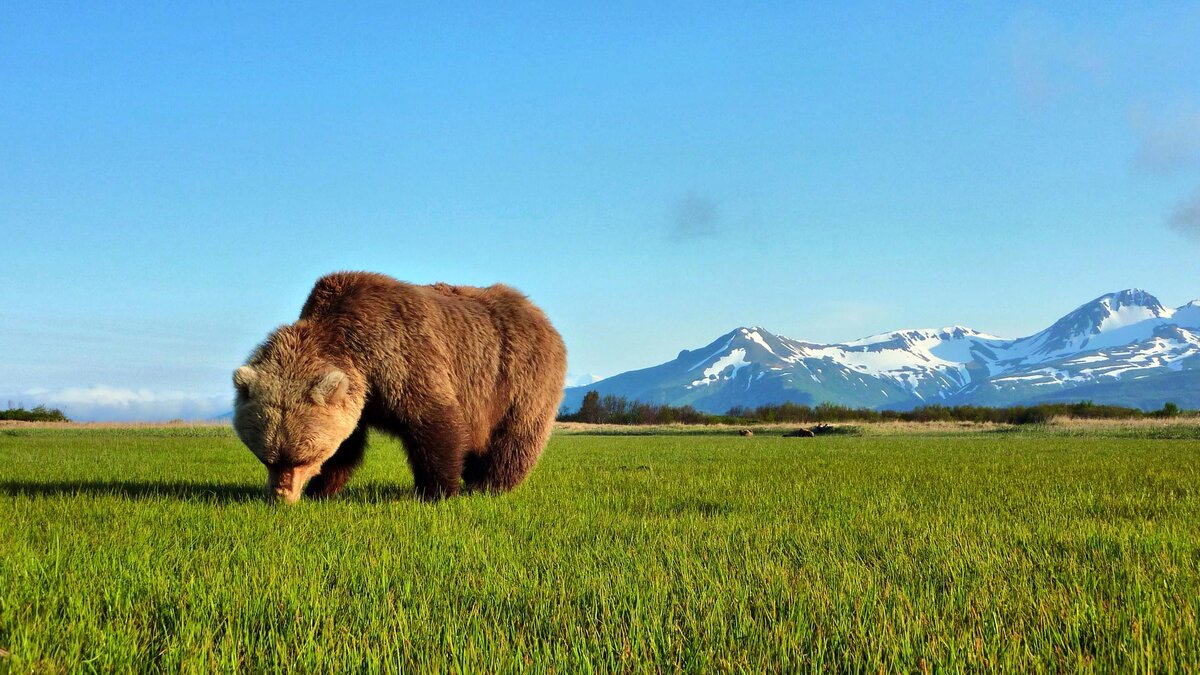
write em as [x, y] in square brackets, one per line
[470, 379]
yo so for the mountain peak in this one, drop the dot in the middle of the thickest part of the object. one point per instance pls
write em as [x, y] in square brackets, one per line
[1131, 297]
[955, 332]
[1114, 310]
[1110, 320]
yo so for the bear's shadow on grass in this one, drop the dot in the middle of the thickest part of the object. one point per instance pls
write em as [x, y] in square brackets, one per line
[222, 493]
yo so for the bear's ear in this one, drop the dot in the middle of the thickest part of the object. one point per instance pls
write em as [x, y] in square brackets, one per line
[332, 387]
[243, 377]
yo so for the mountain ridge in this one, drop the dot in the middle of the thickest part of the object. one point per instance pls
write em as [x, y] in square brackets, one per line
[1116, 338]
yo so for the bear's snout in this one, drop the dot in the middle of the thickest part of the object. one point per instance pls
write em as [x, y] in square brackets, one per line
[286, 484]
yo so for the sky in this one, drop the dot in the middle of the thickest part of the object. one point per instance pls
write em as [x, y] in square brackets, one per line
[174, 179]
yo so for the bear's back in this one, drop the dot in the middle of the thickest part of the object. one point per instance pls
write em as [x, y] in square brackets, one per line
[349, 292]
[369, 301]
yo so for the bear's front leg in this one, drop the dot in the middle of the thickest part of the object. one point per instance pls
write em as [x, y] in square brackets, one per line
[337, 469]
[436, 451]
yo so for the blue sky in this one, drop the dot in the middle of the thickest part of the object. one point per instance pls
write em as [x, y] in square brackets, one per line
[173, 180]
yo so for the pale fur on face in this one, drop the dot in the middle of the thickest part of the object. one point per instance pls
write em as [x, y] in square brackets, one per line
[293, 412]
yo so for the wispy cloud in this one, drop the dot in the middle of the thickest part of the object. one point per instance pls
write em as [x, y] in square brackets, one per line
[101, 403]
[1186, 216]
[1167, 143]
[693, 217]
[1052, 60]
[1049, 61]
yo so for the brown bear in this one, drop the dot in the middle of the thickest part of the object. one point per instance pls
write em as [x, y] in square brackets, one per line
[470, 380]
[799, 433]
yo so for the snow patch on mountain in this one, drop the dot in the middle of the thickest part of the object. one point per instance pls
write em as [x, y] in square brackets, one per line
[1187, 316]
[735, 359]
[755, 337]
[718, 351]
[916, 334]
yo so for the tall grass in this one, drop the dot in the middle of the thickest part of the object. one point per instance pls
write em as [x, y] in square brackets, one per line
[1024, 553]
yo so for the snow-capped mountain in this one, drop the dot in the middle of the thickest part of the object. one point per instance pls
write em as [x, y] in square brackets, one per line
[574, 380]
[1123, 347]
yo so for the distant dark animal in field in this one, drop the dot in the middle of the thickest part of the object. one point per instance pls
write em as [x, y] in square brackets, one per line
[822, 428]
[799, 433]
[468, 378]
[746, 432]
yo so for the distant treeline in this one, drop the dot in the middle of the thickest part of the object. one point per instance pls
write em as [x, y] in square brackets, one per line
[598, 409]
[38, 414]
[620, 410]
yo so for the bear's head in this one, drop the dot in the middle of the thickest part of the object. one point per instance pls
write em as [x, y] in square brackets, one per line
[293, 409]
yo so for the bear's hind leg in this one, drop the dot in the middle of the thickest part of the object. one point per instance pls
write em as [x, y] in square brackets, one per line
[514, 449]
[337, 469]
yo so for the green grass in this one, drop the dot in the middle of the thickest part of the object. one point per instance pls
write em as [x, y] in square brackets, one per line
[151, 550]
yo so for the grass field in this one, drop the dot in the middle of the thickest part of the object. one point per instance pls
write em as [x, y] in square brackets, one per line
[150, 549]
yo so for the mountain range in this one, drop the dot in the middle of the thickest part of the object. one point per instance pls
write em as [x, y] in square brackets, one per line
[1122, 348]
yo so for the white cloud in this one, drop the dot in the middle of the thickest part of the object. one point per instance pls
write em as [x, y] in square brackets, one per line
[1049, 61]
[102, 403]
